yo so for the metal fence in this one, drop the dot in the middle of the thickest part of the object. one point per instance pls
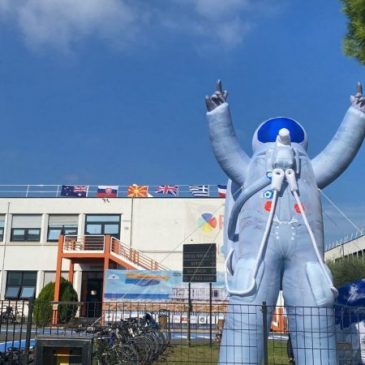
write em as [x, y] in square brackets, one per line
[189, 334]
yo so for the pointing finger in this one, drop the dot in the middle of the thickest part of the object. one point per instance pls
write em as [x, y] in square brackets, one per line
[219, 86]
[208, 102]
[359, 89]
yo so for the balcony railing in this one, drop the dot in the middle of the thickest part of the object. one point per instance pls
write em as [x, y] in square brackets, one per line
[84, 243]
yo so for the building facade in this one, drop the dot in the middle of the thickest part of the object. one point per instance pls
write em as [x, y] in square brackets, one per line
[154, 227]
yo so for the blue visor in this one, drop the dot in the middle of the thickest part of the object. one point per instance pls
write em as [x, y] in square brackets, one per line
[270, 129]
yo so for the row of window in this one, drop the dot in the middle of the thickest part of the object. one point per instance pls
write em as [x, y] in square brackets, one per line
[22, 284]
[28, 227]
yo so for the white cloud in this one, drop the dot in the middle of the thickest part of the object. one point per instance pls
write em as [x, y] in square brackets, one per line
[62, 24]
[217, 9]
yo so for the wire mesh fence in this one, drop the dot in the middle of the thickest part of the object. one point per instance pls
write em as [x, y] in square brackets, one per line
[179, 333]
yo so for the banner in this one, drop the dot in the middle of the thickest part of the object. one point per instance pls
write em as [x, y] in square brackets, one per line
[145, 285]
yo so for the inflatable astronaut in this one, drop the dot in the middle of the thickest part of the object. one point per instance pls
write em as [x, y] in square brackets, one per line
[274, 230]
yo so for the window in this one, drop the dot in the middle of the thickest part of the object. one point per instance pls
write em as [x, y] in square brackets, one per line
[50, 276]
[62, 224]
[103, 224]
[2, 223]
[26, 228]
[20, 284]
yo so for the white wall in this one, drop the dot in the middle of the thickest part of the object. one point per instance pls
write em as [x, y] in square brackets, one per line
[348, 248]
[156, 226]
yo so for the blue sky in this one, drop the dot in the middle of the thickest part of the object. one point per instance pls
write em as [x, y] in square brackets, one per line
[112, 91]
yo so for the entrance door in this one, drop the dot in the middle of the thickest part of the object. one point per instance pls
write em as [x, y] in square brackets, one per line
[92, 293]
[94, 297]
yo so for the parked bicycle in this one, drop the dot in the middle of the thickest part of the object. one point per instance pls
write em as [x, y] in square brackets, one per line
[8, 315]
[132, 341]
[16, 356]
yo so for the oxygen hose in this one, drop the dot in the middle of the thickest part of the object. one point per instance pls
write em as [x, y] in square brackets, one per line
[241, 200]
[290, 178]
[276, 183]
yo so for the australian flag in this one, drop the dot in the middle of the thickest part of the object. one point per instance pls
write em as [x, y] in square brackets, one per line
[78, 191]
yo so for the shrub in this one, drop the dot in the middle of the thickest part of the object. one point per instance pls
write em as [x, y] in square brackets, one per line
[347, 270]
[68, 294]
[42, 312]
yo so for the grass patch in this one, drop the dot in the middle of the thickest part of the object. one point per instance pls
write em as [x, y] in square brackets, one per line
[197, 353]
[204, 354]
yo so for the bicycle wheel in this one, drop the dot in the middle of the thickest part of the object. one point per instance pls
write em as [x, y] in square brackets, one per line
[144, 347]
[162, 340]
[126, 354]
[154, 343]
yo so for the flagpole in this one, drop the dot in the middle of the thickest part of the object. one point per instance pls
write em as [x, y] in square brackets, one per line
[131, 230]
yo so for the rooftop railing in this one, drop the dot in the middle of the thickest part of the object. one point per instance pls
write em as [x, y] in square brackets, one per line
[56, 191]
[348, 238]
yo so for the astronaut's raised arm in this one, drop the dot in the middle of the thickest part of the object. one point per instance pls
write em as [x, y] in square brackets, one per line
[227, 150]
[341, 150]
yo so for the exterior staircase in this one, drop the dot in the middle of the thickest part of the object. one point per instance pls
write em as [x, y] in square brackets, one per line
[101, 246]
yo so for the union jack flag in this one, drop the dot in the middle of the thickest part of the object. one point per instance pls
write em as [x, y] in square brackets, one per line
[167, 189]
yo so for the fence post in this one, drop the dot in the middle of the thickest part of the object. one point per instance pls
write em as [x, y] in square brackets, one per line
[29, 330]
[189, 314]
[265, 333]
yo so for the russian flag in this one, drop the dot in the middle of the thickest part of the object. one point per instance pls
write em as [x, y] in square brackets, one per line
[107, 191]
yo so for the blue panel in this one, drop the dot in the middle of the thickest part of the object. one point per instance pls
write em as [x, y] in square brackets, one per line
[270, 129]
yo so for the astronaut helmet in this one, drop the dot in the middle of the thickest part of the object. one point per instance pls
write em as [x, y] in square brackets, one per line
[268, 131]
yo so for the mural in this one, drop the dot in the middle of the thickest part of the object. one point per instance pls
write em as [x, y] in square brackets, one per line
[159, 286]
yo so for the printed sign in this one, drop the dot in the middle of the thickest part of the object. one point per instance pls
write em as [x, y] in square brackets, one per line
[199, 263]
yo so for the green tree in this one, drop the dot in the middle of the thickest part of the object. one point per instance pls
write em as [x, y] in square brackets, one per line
[354, 42]
[347, 270]
[42, 312]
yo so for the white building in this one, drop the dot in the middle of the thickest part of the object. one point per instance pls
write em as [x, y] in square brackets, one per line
[352, 247]
[154, 227]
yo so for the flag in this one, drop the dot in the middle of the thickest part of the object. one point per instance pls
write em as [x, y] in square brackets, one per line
[222, 190]
[79, 191]
[107, 191]
[199, 190]
[138, 191]
[167, 189]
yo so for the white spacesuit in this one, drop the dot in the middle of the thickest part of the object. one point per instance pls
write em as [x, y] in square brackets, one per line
[274, 230]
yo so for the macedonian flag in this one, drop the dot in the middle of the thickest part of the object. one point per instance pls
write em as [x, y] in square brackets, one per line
[136, 191]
